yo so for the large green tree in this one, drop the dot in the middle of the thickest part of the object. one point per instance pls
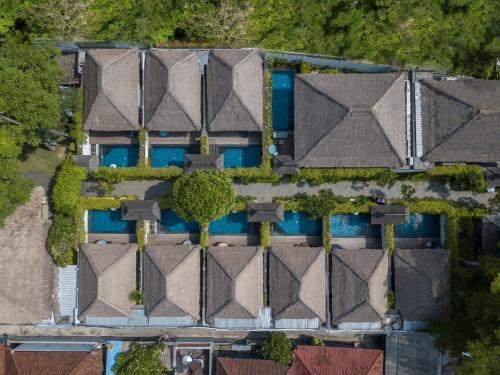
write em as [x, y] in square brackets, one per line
[140, 360]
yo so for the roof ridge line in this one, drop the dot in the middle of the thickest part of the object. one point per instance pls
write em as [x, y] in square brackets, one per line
[118, 259]
[79, 363]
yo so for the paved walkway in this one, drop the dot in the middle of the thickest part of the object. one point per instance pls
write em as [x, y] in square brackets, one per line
[265, 192]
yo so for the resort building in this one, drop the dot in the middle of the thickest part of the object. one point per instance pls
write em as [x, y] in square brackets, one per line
[297, 287]
[359, 288]
[171, 284]
[235, 288]
[111, 105]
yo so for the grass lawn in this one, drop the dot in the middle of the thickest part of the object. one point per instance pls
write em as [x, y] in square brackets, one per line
[42, 160]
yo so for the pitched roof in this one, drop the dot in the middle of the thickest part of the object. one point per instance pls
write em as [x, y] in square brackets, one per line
[172, 281]
[284, 164]
[194, 162]
[316, 360]
[68, 64]
[350, 120]
[106, 278]
[297, 283]
[140, 210]
[359, 285]
[269, 212]
[422, 283]
[461, 120]
[490, 232]
[111, 89]
[50, 362]
[234, 90]
[235, 278]
[172, 90]
[240, 366]
[390, 214]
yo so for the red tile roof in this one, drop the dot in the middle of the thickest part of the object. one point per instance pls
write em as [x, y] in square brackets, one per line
[316, 360]
[53, 363]
[238, 366]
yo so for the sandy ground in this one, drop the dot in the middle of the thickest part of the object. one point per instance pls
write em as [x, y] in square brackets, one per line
[28, 293]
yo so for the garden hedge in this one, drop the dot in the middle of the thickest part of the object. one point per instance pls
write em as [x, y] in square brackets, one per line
[66, 192]
[137, 173]
[390, 243]
[265, 234]
[62, 241]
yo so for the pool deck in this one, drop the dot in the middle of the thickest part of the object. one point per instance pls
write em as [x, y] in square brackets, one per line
[414, 243]
[279, 240]
[111, 237]
[357, 243]
[235, 239]
[177, 139]
[231, 139]
[172, 238]
[118, 139]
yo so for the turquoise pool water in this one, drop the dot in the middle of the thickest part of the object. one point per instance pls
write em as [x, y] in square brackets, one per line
[119, 155]
[232, 223]
[172, 223]
[354, 226]
[241, 156]
[111, 355]
[109, 221]
[298, 223]
[283, 86]
[420, 225]
[165, 156]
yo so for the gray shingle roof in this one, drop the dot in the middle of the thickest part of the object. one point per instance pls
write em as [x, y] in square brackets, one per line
[68, 64]
[111, 89]
[422, 283]
[359, 285]
[194, 162]
[461, 120]
[106, 278]
[490, 233]
[284, 164]
[297, 283]
[235, 282]
[172, 281]
[140, 210]
[269, 212]
[172, 90]
[390, 214]
[234, 90]
[350, 120]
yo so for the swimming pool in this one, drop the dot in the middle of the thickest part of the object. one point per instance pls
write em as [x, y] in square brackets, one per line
[165, 156]
[232, 223]
[298, 223]
[109, 221]
[420, 225]
[283, 86]
[119, 155]
[354, 226]
[241, 156]
[172, 223]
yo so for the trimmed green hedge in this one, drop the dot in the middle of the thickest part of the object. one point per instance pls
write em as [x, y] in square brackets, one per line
[265, 234]
[104, 203]
[137, 173]
[204, 146]
[326, 224]
[204, 239]
[390, 243]
[300, 66]
[66, 192]
[142, 147]
[241, 202]
[459, 176]
[140, 234]
[254, 174]
[319, 176]
[62, 241]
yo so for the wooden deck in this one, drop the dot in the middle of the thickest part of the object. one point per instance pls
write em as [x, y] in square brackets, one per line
[229, 139]
[172, 238]
[415, 243]
[174, 139]
[111, 237]
[112, 138]
[357, 243]
[236, 240]
[277, 240]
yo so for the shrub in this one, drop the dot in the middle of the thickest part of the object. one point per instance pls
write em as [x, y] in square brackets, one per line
[203, 196]
[241, 202]
[140, 360]
[116, 175]
[142, 147]
[327, 233]
[104, 203]
[323, 204]
[319, 176]
[390, 244]
[63, 239]
[316, 341]
[76, 131]
[204, 239]
[253, 174]
[278, 348]
[407, 191]
[141, 234]
[204, 146]
[391, 300]
[265, 234]
[463, 177]
[66, 192]
[136, 296]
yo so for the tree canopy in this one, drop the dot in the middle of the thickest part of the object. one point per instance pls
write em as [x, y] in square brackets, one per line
[203, 196]
[140, 360]
[278, 348]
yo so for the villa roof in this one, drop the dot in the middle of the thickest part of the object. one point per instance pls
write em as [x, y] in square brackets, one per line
[312, 360]
[284, 164]
[106, 279]
[111, 89]
[461, 120]
[490, 232]
[89, 162]
[390, 214]
[140, 210]
[422, 283]
[172, 90]
[234, 90]
[14, 362]
[240, 366]
[297, 283]
[269, 212]
[194, 162]
[350, 120]
[172, 281]
[359, 285]
[235, 278]
[68, 63]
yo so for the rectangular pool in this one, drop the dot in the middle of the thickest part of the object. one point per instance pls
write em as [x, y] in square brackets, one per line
[165, 156]
[298, 223]
[420, 225]
[109, 221]
[232, 223]
[354, 226]
[282, 100]
[119, 155]
[241, 156]
[172, 223]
